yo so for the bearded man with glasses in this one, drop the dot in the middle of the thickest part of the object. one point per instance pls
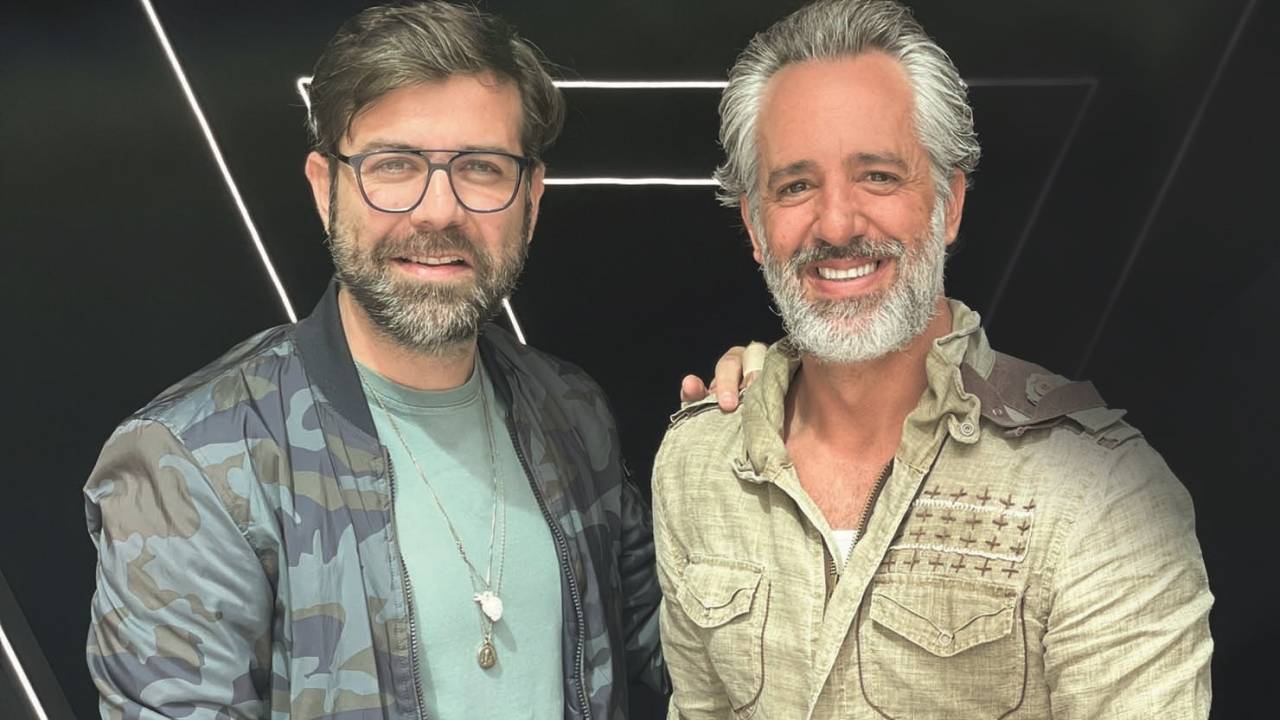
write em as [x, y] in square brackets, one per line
[390, 509]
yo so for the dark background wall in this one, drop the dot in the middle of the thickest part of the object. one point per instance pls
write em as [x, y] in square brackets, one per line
[1120, 228]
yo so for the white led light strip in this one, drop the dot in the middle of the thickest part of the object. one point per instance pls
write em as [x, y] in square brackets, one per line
[644, 84]
[303, 84]
[217, 156]
[630, 181]
[22, 676]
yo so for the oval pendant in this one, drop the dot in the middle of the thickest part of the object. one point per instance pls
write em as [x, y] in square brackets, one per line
[488, 656]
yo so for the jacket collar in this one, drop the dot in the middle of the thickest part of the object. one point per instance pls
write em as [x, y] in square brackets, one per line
[322, 343]
[944, 407]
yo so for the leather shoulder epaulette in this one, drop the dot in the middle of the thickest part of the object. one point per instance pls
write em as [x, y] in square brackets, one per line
[1019, 396]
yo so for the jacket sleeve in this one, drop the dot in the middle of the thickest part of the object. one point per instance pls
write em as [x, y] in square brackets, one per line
[641, 593]
[697, 692]
[180, 621]
[1128, 627]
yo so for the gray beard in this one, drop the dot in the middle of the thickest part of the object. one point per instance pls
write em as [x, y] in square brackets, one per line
[426, 317]
[860, 329]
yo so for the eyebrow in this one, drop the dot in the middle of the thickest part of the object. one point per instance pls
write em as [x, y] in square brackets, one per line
[795, 168]
[377, 144]
[886, 158]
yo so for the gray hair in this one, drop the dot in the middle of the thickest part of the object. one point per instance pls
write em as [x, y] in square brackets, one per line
[837, 28]
[386, 48]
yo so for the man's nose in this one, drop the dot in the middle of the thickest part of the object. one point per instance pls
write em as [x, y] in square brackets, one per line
[841, 215]
[439, 208]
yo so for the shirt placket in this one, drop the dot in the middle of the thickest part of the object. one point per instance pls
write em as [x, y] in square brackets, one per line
[833, 658]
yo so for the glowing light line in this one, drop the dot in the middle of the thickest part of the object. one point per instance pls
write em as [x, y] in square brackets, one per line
[22, 676]
[303, 85]
[643, 84]
[217, 156]
[515, 324]
[690, 182]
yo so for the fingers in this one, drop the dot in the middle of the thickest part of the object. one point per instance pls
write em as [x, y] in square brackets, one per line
[752, 362]
[729, 378]
[692, 389]
[735, 370]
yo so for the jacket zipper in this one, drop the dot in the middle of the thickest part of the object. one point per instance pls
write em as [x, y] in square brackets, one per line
[562, 550]
[833, 571]
[871, 501]
[408, 592]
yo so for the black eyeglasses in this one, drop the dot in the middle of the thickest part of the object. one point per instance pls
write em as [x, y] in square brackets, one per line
[395, 181]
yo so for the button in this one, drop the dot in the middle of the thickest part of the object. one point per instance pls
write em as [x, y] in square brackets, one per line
[967, 429]
[1043, 386]
[945, 638]
[997, 411]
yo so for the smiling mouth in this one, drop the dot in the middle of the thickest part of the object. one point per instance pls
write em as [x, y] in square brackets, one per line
[853, 273]
[435, 260]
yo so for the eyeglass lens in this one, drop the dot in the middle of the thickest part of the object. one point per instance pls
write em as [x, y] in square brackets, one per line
[395, 181]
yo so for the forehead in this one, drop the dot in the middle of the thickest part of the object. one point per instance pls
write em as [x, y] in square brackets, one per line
[859, 104]
[460, 111]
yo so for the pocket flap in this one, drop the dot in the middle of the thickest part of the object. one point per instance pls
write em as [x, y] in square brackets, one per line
[714, 590]
[948, 620]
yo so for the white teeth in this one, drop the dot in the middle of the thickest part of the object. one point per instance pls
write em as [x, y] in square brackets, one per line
[448, 260]
[827, 273]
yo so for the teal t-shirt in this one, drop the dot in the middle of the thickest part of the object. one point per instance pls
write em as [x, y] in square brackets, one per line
[446, 434]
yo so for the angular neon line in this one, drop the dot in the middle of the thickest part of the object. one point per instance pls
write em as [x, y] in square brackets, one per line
[515, 324]
[697, 182]
[217, 156]
[22, 676]
[721, 84]
[644, 84]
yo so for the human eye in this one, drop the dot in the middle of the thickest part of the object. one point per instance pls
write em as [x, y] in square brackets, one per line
[484, 168]
[881, 178]
[389, 166]
[480, 166]
[794, 188]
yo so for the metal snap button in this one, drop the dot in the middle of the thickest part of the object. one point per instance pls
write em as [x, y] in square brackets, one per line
[945, 638]
[967, 428]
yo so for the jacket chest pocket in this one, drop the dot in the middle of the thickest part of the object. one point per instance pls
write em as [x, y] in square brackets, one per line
[728, 601]
[934, 647]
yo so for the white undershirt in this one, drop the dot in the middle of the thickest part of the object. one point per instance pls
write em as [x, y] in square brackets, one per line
[844, 541]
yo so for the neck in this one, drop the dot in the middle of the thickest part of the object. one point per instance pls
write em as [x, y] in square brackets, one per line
[861, 406]
[371, 347]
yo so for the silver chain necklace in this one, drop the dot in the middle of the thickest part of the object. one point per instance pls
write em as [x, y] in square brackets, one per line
[488, 599]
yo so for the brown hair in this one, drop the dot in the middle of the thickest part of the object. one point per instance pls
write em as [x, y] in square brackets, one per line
[388, 47]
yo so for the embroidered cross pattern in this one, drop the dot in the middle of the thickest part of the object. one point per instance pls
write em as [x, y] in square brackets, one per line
[938, 511]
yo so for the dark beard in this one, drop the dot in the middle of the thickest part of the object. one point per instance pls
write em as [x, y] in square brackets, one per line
[427, 317]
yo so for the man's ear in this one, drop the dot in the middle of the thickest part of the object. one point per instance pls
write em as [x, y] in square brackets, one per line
[537, 174]
[318, 174]
[955, 209]
[744, 206]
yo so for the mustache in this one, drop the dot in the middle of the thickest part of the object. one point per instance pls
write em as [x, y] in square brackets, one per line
[420, 243]
[859, 248]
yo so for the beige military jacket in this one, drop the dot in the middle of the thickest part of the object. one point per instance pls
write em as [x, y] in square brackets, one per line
[1030, 556]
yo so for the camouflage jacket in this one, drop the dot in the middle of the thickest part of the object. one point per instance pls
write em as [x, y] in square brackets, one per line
[247, 556]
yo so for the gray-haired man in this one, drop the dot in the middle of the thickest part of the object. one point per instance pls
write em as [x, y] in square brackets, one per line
[899, 521]
[390, 509]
